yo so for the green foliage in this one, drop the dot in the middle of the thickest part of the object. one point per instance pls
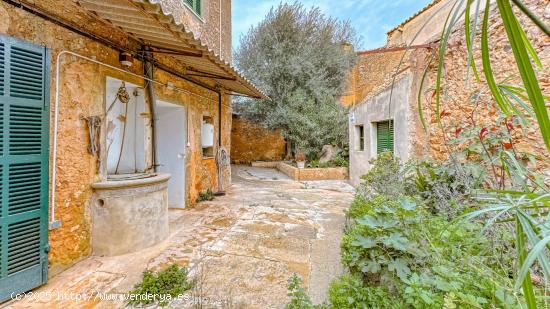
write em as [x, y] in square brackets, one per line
[164, 285]
[298, 296]
[446, 186]
[386, 177]
[361, 207]
[296, 56]
[207, 195]
[338, 161]
[349, 292]
[422, 258]
[400, 248]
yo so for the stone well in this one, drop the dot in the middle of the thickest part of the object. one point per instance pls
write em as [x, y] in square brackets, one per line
[129, 214]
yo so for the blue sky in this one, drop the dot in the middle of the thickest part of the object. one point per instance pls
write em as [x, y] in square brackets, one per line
[370, 18]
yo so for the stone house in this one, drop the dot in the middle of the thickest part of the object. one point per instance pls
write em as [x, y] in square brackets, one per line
[111, 112]
[383, 117]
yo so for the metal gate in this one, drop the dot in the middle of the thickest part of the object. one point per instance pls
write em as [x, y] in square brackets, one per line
[24, 138]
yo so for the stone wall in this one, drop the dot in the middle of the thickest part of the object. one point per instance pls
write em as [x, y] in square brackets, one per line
[457, 105]
[82, 94]
[251, 142]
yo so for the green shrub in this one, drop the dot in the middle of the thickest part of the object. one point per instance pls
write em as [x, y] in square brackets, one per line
[386, 177]
[402, 249]
[207, 195]
[298, 296]
[164, 285]
[338, 161]
[421, 259]
[349, 292]
[446, 186]
[361, 207]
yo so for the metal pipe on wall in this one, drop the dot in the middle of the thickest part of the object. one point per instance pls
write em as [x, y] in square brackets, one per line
[148, 69]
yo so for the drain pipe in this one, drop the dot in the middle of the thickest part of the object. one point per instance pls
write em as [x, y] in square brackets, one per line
[219, 118]
[148, 69]
[57, 223]
[222, 158]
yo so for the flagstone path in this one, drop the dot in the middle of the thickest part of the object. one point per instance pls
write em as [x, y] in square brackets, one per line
[241, 248]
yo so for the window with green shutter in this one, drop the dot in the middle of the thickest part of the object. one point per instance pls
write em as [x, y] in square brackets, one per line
[359, 138]
[384, 136]
[24, 159]
[195, 5]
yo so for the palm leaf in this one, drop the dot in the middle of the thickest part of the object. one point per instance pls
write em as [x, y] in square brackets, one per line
[420, 112]
[526, 282]
[532, 16]
[513, 31]
[497, 95]
[470, 36]
[447, 28]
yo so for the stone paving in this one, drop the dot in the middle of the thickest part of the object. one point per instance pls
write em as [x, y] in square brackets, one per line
[241, 248]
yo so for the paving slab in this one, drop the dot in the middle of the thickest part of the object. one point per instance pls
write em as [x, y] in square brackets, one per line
[241, 248]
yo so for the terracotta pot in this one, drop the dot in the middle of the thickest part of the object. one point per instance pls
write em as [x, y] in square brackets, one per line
[301, 164]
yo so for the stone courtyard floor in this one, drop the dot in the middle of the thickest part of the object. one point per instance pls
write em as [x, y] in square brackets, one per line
[241, 248]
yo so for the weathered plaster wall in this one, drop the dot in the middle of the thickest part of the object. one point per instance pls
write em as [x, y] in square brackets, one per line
[252, 142]
[82, 94]
[213, 26]
[378, 108]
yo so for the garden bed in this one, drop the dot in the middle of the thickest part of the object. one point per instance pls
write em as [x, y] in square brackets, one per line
[306, 174]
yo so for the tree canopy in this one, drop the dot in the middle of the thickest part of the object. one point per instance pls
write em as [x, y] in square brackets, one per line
[299, 58]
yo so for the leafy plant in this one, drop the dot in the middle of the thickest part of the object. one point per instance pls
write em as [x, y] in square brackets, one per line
[421, 259]
[385, 177]
[349, 292]
[298, 296]
[207, 195]
[446, 186]
[337, 161]
[298, 57]
[160, 287]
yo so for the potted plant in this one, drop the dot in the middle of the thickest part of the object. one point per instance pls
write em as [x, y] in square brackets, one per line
[300, 159]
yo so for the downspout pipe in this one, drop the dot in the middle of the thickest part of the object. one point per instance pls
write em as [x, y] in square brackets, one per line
[148, 68]
[221, 155]
[219, 119]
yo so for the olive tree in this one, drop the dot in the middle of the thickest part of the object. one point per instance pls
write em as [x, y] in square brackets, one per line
[298, 56]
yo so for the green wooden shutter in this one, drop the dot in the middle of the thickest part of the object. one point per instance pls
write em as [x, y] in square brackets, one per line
[24, 158]
[195, 5]
[384, 136]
